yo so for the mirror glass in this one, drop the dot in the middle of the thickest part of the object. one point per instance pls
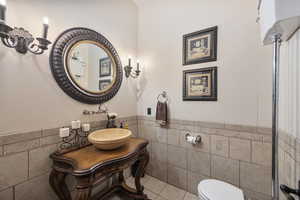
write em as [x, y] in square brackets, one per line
[91, 67]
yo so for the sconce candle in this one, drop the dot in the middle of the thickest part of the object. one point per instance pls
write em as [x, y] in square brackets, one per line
[138, 66]
[129, 61]
[2, 10]
[46, 27]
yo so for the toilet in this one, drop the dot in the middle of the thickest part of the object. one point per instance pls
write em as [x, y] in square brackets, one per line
[211, 189]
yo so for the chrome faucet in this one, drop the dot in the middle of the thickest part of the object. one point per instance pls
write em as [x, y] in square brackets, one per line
[99, 111]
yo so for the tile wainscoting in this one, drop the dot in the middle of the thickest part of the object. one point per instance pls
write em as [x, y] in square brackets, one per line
[240, 155]
[25, 163]
[289, 161]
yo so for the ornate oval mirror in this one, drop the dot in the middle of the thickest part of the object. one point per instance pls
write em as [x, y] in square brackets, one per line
[86, 66]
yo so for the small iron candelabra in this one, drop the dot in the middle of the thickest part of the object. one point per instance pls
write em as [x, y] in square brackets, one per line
[77, 138]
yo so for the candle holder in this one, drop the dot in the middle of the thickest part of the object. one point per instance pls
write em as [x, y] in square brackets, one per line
[128, 70]
[76, 139]
[19, 38]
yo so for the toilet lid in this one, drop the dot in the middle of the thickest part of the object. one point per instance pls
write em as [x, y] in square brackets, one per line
[212, 189]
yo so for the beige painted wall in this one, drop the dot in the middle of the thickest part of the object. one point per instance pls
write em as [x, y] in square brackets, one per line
[30, 98]
[244, 65]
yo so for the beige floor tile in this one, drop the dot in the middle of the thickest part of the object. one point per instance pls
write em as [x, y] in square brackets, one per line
[155, 185]
[189, 196]
[130, 181]
[160, 198]
[150, 194]
[172, 193]
[145, 179]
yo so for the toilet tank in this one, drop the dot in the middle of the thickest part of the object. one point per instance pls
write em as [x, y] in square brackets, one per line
[278, 16]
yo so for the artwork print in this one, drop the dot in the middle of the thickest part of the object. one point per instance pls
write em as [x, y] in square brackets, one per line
[200, 84]
[200, 46]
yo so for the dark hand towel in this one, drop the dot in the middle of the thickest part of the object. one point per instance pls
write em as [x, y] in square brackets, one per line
[162, 113]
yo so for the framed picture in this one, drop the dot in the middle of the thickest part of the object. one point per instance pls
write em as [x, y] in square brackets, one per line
[105, 67]
[103, 84]
[200, 84]
[200, 46]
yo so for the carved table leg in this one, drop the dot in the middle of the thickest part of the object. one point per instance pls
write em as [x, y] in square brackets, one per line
[137, 193]
[83, 193]
[121, 177]
[84, 187]
[140, 172]
[58, 184]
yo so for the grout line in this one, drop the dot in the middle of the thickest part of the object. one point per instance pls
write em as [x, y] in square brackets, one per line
[14, 192]
[239, 173]
[251, 149]
[229, 157]
[28, 165]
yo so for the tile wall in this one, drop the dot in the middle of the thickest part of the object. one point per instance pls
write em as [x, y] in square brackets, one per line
[240, 155]
[25, 163]
[289, 161]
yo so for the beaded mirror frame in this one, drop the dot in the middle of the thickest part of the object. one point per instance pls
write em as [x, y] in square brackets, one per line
[58, 59]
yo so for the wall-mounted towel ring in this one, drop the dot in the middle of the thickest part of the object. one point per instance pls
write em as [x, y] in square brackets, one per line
[163, 97]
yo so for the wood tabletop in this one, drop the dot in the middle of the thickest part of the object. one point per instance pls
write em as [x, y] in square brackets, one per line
[88, 157]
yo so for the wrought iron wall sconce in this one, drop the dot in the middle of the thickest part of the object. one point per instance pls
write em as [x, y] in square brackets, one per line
[128, 70]
[19, 38]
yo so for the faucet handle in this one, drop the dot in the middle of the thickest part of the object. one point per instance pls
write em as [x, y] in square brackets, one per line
[101, 110]
[86, 112]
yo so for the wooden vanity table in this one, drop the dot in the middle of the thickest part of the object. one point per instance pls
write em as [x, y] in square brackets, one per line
[91, 167]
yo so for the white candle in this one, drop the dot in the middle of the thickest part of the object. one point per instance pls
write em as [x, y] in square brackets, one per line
[45, 27]
[3, 2]
[75, 124]
[2, 10]
[86, 127]
[138, 65]
[78, 123]
[64, 132]
[129, 61]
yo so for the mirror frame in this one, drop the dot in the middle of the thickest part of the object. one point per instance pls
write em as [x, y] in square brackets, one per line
[59, 56]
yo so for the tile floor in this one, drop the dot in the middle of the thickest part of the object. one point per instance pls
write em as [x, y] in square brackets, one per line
[158, 190]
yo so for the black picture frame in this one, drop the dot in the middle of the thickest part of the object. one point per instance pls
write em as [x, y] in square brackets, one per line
[211, 81]
[197, 43]
[105, 62]
[101, 82]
